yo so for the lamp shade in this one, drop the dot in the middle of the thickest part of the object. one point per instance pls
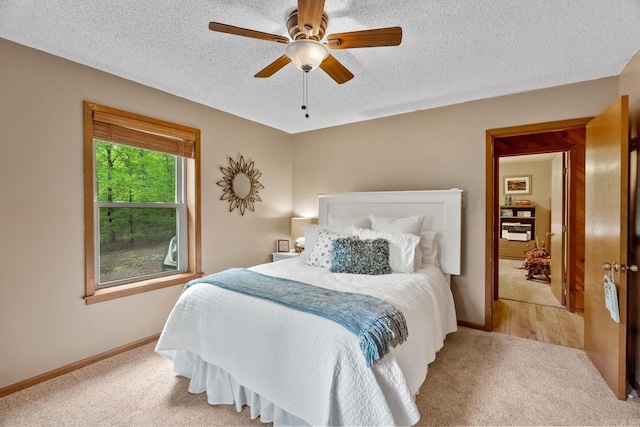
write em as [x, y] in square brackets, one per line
[305, 54]
[297, 230]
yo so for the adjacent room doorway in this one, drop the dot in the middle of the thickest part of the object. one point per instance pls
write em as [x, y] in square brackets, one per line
[567, 139]
[528, 242]
[532, 223]
[530, 297]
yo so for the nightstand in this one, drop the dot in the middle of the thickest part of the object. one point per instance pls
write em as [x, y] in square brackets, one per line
[279, 256]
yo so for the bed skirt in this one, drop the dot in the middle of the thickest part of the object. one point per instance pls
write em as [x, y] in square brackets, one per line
[223, 389]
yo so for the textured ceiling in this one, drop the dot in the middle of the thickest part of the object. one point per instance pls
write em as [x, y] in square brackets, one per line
[452, 51]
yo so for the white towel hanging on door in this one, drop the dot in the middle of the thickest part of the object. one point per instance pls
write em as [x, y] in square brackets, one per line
[611, 298]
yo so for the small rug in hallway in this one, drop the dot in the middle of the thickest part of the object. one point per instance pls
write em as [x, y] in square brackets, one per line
[513, 285]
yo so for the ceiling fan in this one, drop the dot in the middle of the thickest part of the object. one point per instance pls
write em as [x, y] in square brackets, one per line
[306, 26]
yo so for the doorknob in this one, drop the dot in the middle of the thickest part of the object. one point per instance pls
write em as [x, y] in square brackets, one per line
[631, 267]
[607, 266]
[622, 268]
[549, 234]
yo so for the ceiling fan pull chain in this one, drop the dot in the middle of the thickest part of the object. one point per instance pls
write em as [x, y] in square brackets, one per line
[305, 93]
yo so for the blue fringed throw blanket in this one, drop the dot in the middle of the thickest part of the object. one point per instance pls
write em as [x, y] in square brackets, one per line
[376, 323]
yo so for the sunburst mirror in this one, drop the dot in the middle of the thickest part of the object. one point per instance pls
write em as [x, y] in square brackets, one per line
[240, 185]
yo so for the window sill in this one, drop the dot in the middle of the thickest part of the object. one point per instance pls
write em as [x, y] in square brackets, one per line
[121, 291]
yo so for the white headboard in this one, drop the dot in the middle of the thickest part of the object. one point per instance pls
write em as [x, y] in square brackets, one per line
[442, 210]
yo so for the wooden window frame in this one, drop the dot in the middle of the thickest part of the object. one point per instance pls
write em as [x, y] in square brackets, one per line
[147, 133]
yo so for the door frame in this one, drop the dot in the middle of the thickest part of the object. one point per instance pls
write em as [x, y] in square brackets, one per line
[492, 200]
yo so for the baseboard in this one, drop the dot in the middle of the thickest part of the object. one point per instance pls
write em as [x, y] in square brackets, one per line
[472, 325]
[4, 391]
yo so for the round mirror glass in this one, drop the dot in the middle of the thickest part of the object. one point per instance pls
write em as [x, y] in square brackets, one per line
[241, 185]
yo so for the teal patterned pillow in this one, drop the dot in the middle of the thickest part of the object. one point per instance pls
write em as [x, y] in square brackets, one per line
[360, 256]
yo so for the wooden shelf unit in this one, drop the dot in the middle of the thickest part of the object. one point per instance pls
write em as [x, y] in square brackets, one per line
[522, 214]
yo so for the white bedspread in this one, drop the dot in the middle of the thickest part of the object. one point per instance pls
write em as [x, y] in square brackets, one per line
[306, 366]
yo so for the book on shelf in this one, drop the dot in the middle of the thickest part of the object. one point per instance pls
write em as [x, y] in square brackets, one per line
[506, 212]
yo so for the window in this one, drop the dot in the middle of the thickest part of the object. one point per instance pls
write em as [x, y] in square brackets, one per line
[142, 203]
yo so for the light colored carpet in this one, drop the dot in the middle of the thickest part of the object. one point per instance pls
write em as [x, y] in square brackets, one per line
[513, 285]
[478, 378]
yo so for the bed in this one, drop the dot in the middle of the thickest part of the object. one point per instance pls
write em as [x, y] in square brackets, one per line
[295, 368]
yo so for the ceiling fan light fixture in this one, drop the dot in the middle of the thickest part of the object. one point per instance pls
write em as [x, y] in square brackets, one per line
[306, 55]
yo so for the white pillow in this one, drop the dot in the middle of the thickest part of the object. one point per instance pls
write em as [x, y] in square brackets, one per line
[358, 221]
[411, 225]
[429, 248]
[320, 255]
[311, 235]
[402, 248]
[417, 258]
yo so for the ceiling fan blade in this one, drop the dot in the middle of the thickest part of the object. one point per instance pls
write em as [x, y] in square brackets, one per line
[271, 69]
[336, 70]
[230, 29]
[310, 16]
[391, 36]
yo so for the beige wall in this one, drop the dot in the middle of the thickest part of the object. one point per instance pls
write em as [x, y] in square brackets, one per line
[630, 85]
[434, 149]
[44, 322]
[540, 196]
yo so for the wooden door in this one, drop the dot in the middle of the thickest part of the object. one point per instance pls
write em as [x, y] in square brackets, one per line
[606, 228]
[556, 237]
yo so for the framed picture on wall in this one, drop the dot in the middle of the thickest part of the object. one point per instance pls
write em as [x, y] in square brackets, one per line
[517, 184]
[283, 245]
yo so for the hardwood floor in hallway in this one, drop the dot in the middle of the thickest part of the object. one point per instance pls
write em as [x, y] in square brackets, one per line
[528, 309]
[553, 325]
